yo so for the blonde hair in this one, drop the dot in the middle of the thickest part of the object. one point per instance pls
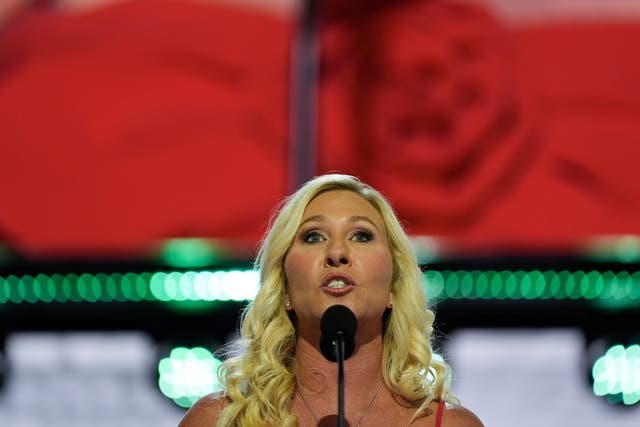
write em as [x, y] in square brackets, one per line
[260, 383]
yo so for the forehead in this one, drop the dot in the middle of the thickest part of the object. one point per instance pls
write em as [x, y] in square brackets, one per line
[342, 203]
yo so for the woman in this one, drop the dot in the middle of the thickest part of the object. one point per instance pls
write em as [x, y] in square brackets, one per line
[335, 241]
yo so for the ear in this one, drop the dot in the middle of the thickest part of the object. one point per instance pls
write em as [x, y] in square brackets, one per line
[390, 300]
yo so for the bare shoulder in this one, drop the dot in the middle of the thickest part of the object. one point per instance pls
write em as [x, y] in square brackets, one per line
[459, 416]
[205, 412]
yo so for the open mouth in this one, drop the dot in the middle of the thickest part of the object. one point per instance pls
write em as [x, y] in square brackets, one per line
[336, 284]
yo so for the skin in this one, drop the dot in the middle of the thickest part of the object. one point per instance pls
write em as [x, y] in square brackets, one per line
[341, 232]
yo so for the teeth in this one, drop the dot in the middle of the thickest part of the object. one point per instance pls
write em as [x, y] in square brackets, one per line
[336, 284]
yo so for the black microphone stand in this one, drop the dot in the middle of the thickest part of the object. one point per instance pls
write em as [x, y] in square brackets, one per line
[340, 360]
[337, 343]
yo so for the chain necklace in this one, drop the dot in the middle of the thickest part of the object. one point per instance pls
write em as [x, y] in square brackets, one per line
[362, 414]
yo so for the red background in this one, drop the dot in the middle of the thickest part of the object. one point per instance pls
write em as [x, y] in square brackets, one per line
[147, 120]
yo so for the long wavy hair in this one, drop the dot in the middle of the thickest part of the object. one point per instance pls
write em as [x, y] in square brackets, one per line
[260, 382]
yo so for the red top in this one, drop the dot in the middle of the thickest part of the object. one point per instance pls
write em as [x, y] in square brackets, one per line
[440, 411]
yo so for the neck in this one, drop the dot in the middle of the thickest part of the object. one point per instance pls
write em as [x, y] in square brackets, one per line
[318, 382]
[318, 375]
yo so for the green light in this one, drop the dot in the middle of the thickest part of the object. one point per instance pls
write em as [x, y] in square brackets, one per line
[578, 285]
[37, 289]
[434, 284]
[157, 286]
[608, 289]
[538, 285]
[241, 285]
[624, 286]
[14, 291]
[76, 289]
[171, 286]
[196, 286]
[4, 291]
[618, 373]
[495, 284]
[186, 286]
[450, 284]
[27, 289]
[126, 286]
[608, 285]
[592, 286]
[511, 285]
[47, 288]
[567, 283]
[555, 284]
[635, 286]
[94, 289]
[188, 374]
[58, 288]
[102, 280]
[121, 287]
[142, 286]
[82, 287]
[215, 286]
[189, 253]
[481, 283]
[466, 285]
[111, 288]
[526, 286]
[201, 286]
[65, 287]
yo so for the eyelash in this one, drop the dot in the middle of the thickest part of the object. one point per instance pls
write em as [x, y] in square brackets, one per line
[368, 235]
[356, 236]
[306, 236]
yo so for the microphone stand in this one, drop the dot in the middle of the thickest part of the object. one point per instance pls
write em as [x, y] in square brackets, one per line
[340, 360]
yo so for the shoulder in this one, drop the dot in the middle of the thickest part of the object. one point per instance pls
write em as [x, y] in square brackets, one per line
[205, 412]
[458, 416]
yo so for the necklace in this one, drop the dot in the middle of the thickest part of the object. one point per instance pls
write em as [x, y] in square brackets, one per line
[362, 414]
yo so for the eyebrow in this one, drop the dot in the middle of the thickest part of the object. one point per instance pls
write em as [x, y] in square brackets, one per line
[354, 218]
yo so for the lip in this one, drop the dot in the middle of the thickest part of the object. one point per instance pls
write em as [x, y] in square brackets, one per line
[350, 285]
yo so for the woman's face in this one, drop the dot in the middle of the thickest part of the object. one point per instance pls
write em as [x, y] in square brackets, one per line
[340, 255]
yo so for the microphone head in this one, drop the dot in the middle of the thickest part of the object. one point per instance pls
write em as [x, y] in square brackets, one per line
[337, 319]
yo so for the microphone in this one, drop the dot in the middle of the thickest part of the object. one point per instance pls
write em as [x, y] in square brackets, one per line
[337, 320]
[337, 343]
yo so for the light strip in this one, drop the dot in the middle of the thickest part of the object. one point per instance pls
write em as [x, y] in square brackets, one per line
[241, 285]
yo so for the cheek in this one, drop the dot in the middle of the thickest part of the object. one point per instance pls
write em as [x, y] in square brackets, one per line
[296, 268]
[381, 267]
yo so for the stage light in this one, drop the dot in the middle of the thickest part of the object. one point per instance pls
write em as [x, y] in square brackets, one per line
[189, 253]
[188, 374]
[616, 374]
[607, 289]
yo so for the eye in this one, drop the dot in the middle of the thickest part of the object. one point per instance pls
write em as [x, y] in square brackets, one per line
[362, 236]
[312, 236]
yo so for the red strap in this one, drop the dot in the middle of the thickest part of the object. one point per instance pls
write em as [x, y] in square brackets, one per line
[440, 411]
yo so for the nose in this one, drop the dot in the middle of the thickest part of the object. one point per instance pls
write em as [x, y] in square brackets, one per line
[337, 255]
